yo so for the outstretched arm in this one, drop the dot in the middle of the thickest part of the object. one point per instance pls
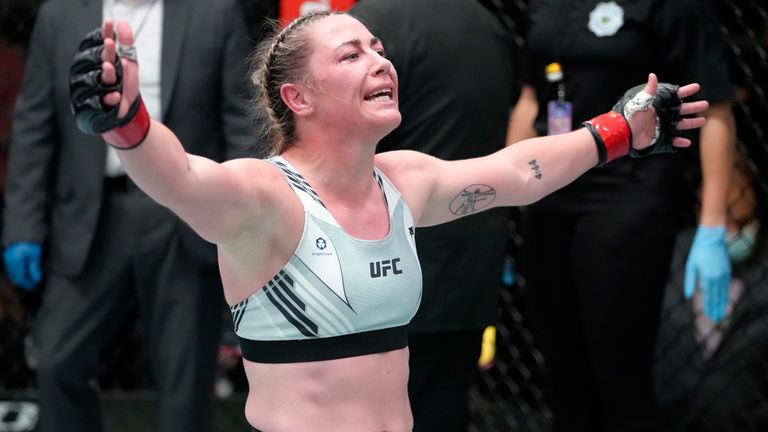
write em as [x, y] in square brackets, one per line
[154, 158]
[708, 266]
[531, 169]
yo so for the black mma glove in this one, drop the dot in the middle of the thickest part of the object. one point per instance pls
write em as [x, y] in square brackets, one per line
[86, 93]
[667, 106]
[613, 135]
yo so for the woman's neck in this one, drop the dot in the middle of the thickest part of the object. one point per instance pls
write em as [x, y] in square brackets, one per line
[335, 168]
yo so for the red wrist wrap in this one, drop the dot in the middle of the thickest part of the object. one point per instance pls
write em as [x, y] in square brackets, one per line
[612, 136]
[132, 133]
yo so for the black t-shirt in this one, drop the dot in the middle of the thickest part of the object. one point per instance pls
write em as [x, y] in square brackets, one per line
[457, 85]
[607, 47]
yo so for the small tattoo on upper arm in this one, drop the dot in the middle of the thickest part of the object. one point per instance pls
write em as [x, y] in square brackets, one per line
[471, 199]
[536, 169]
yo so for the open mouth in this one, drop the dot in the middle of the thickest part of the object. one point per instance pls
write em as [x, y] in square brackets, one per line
[383, 95]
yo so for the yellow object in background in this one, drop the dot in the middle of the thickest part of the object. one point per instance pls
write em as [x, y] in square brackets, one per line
[553, 72]
[488, 348]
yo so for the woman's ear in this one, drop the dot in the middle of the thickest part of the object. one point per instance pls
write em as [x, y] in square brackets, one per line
[296, 98]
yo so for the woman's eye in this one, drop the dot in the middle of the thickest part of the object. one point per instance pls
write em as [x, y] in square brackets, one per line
[382, 53]
[351, 56]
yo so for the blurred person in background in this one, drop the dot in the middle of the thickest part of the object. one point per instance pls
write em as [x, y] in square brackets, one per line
[16, 20]
[712, 375]
[76, 228]
[597, 323]
[456, 115]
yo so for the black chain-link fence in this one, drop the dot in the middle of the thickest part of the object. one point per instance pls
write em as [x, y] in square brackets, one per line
[708, 378]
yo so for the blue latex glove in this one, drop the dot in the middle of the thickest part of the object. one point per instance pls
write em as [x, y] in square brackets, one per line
[22, 262]
[709, 267]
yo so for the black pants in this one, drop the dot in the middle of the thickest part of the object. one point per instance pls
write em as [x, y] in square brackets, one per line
[443, 369]
[596, 258]
[135, 248]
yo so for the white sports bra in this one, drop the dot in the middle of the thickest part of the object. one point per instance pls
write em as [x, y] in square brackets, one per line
[338, 296]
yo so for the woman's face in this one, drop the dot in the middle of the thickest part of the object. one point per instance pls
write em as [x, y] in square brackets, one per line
[352, 84]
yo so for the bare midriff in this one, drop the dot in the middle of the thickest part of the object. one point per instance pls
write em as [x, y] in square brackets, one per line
[366, 393]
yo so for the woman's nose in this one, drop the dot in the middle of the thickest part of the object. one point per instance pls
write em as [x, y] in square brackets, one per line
[382, 67]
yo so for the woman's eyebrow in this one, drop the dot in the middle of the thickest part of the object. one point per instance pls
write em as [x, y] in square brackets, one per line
[357, 43]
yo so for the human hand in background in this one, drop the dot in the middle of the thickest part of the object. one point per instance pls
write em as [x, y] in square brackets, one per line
[709, 268]
[22, 263]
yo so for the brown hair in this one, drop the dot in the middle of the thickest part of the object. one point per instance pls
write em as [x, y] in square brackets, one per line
[280, 58]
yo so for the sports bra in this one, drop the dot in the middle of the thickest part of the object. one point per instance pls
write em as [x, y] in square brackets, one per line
[338, 296]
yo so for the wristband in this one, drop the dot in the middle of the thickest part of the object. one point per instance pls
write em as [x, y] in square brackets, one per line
[612, 136]
[133, 133]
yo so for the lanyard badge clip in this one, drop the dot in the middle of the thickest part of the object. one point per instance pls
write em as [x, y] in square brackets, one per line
[560, 111]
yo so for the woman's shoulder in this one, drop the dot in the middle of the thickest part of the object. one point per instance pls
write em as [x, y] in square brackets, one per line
[411, 174]
[402, 161]
[252, 165]
[258, 178]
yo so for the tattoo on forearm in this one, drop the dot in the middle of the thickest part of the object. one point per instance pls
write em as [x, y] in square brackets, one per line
[471, 199]
[536, 169]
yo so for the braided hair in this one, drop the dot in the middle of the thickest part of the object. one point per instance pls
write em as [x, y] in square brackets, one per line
[280, 58]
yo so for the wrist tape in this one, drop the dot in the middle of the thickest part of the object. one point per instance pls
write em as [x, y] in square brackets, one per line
[131, 134]
[612, 135]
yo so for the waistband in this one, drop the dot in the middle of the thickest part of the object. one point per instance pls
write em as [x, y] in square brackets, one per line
[328, 348]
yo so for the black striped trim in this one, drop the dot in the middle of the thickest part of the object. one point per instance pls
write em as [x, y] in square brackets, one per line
[297, 181]
[276, 289]
[238, 311]
[381, 186]
[329, 348]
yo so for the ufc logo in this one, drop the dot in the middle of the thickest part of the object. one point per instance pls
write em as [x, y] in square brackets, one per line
[380, 268]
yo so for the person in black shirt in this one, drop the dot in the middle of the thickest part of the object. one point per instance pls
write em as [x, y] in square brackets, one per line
[456, 115]
[597, 324]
